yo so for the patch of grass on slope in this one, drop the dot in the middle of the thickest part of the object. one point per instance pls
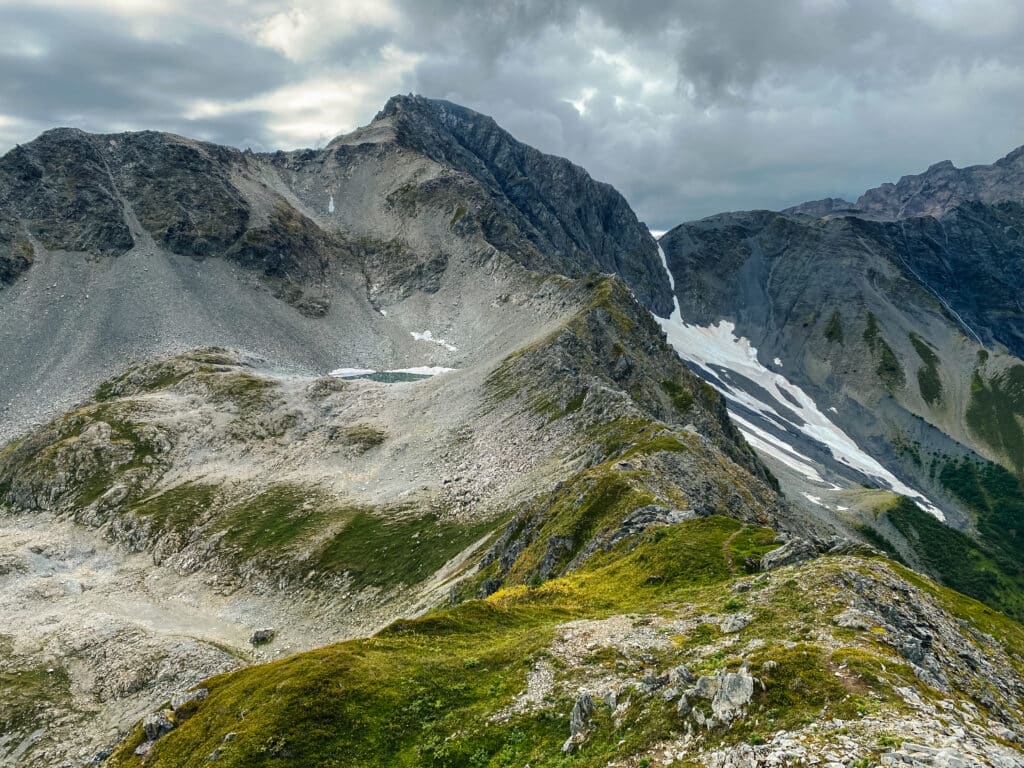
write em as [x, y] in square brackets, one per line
[428, 692]
[291, 529]
[928, 381]
[421, 693]
[994, 413]
[888, 368]
[26, 692]
[961, 562]
[834, 328]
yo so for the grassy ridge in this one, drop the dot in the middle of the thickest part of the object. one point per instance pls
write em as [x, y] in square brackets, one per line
[437, 691]
[422, 692]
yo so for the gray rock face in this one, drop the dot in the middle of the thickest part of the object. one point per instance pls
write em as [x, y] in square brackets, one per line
[75, 191]
[900, 315]
[795, 550]
[729, 694]
[181, 699]
[944, 187]
[580, 715]
[122, 247]
[570, 222]
[156, 724]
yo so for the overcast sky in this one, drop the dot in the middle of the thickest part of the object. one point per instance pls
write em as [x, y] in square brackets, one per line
[687, 106]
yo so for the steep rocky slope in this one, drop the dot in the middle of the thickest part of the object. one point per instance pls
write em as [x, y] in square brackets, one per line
[117, 248]
[899, 319]
[327, 507]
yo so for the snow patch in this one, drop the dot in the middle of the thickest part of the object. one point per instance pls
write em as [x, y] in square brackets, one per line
[716, 346]
[423, 370]
[429, 336]
[814, 499]
[345, 373]
[330, 205]
[778, 362]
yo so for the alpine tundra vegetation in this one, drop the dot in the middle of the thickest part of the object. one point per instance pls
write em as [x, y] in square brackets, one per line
[418, 449]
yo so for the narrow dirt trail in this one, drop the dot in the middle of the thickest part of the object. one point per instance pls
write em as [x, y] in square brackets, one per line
[725, 549]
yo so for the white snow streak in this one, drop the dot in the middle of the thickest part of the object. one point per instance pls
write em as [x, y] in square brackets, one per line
[717, 346]
[330, 205]
[423, 370]
[429, 336]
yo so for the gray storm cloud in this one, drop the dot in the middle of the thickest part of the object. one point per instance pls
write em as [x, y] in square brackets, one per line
[687, 106]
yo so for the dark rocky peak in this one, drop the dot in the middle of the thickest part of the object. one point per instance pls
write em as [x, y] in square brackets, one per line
[824, 207]
[579, 224]
[944, 187]
[58, 189]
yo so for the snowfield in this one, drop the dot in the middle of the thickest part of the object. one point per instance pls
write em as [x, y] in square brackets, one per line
[714, 348]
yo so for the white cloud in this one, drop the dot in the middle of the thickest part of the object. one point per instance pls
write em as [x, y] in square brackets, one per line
[304, 28]
[313, 111]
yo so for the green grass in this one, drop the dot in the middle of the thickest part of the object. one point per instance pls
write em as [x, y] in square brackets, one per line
[179, 509]
[928, 381]
[995, 411]
[888, 367]
[247, 391]
[386, 551]
[682, 397]
[460, 213]
[27, 691]
[407, 697]
[292, 530]
[423, 692]
[362, 437]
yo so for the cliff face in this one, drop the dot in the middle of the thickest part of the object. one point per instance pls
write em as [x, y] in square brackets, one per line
[72, 191]
[145, 244]
[900, 317]
[560, 218]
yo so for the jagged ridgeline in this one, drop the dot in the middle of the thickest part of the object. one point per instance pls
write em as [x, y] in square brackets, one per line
[514, 528]
[899, 317]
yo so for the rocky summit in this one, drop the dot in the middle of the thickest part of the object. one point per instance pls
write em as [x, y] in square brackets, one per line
[419, 449]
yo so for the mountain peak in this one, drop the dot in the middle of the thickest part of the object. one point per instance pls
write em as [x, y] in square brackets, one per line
[944, 187]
